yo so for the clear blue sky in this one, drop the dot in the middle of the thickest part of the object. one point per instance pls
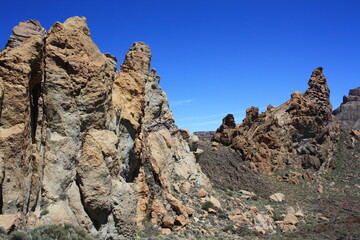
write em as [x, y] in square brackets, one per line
[219, 57]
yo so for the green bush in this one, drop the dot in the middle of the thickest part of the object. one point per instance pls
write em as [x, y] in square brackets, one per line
[206, 205]
[55, 232]
[254, 198]
[63, 196]
[44, 212]
[142, 234]
[50, 232]
[228, 228]
[18, 236]
[277, 217]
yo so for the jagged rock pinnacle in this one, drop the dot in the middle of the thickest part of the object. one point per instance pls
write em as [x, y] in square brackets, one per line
[301, 132]
[23, 31]
[138, 58]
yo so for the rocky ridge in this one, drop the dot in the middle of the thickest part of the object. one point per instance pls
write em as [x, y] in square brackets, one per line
[300, 133]
[348, 113]
[204, 134]
[81, 143]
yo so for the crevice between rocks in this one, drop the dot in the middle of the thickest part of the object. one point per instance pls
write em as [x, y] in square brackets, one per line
[35, 93]
[37, 106]
[134, 162]
[37, 77]
[1, 193]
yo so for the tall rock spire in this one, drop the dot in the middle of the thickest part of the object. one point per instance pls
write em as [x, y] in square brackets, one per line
[86, 144]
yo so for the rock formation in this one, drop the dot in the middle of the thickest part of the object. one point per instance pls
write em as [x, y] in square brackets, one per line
[82, 143]
[24, 31]
[348, 114]
[301, 132]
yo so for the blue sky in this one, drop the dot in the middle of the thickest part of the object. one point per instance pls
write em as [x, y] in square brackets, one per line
[219, 57]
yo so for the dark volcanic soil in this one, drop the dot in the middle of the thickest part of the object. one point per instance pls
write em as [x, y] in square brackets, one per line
[225, 167]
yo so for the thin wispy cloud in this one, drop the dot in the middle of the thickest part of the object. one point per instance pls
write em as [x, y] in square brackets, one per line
[180, 102]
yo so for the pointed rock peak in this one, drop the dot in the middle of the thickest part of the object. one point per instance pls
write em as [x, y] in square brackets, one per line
[74, 24]
[23, 31]
[138, 58]
[78, 23]
[229, 121]
[295, 94]
[318, 89]
[252, 113]
[141, 47]
[317, 77]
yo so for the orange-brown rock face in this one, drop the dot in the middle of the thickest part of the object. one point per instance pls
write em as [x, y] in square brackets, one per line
[300, 132]
[21, 68]
[83, 143]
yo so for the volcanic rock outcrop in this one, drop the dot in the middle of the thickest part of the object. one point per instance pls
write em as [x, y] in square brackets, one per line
[83, 144]
[301, 132]
[348, 114]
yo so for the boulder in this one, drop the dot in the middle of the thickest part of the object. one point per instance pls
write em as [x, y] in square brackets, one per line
[202, 193]
[8, 221]
[166, 231]
[168, 222]
[277, 197]
[291, 219]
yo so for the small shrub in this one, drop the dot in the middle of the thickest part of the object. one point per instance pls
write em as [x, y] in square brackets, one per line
[63, 196]
[149, 232]
[43, 202]
[340, 235]
[44, 212]
[231, 188]
[243, 231]
[55, 232]
[18, 236]
[254, 198]
[206, 205]
[221, 214]
[277, 217]
[228, 228]
[178, 178]
[50, 232]
[142, 234]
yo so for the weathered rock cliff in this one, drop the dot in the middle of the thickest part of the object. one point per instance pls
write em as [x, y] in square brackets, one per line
[82, 143]
[348, 114]
[301, 132]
